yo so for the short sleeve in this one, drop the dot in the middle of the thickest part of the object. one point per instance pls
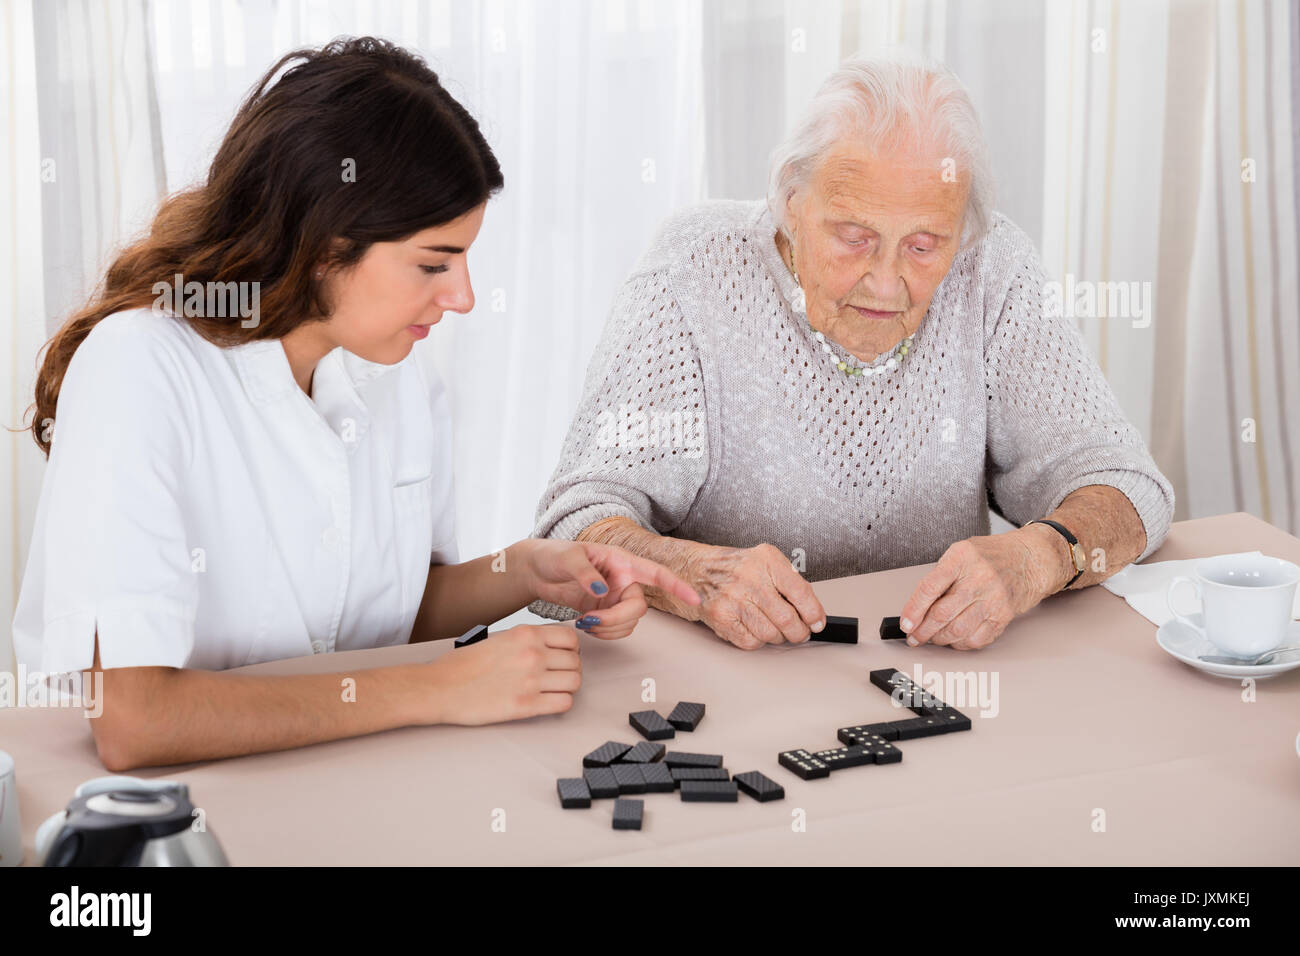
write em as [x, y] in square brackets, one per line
[445, 550]
[1054, 424]
[637, 445]
[112, 555]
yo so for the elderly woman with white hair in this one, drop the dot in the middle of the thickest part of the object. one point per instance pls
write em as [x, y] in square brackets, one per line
[845, 378]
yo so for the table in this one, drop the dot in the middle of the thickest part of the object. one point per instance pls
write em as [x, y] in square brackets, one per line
[1091, 715]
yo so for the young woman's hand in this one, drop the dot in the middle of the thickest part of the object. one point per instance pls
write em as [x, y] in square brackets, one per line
[521, 672]
[602, 581]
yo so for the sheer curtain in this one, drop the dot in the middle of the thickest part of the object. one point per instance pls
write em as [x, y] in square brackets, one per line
[593, 111]
[1120, 135]
[83, 169]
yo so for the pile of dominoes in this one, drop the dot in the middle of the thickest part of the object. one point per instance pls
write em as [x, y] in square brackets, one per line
[615, 769]
[873, 743]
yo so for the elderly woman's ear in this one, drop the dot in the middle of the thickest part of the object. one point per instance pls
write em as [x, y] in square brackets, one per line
[859, 389]
[794, 209]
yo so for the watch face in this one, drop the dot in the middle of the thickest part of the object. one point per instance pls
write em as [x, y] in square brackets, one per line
[1079, 562]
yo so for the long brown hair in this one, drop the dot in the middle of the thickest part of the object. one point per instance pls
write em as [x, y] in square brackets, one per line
[278, 202]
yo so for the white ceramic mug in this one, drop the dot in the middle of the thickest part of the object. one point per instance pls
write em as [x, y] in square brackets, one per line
[1246, 601]
[11, 830]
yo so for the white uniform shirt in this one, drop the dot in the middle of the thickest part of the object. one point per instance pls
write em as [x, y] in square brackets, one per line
[200, 510]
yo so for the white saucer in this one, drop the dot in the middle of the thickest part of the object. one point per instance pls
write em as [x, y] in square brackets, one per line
[1187, 644]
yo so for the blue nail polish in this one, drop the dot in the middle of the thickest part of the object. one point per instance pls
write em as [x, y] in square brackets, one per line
[582, 625]
[591, 620]
[598, 587]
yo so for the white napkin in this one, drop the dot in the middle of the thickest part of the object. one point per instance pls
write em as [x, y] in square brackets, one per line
[1145, 587]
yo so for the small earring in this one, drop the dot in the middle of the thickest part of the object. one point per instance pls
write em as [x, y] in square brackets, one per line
[799, 302]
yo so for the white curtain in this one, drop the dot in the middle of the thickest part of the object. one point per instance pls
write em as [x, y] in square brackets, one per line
[22, 324]
[1171, 160]
[1118, 132]
[83, 171]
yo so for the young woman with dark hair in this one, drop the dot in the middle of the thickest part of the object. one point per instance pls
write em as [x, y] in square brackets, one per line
[231, 485]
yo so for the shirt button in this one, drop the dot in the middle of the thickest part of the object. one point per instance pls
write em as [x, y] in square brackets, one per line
[317, 647]
[330, 539]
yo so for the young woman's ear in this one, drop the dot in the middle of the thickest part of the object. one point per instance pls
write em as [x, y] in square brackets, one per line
[323, 267]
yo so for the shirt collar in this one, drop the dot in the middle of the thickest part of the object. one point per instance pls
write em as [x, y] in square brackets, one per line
[263, 368]
[363, 370]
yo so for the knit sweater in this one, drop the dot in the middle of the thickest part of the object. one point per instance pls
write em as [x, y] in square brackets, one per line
[711, 412]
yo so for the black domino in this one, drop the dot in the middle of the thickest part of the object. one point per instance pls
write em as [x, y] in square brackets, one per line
[647, 751]
[686, 715]
[679, 758]
[601, 782]
[907, 693]
[605, 754]
[928, 705]
[651, 725]
[890, 630]
[899, 679]
[882, 751]
[912, 696]
[573, 792]
[629, 778]
[838, 758]
[838, 630]
[759, 786]
[952, 720]
[884, 728]
[883, 679]
[699, 773]
[919, 727]
[472, 636]
[803, 764]
[627, 813]
[658, 778]
[709, 791]
[878, 745]
[855, 735]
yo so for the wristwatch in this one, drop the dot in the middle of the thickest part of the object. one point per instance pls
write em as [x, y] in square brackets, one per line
[1076, 549]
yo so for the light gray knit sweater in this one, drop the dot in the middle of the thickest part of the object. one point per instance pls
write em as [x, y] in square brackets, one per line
[710, 412]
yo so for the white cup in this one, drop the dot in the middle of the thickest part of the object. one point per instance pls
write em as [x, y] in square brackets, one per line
[1246, 602]
[11, 830]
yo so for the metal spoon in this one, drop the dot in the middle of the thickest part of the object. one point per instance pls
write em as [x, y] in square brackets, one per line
[1264, 658]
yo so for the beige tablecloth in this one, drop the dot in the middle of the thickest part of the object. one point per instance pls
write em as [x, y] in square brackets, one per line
[1091, 716]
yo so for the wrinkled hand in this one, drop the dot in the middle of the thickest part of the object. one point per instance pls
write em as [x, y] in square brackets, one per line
[981, 584]
[601, 580]
[754, 596]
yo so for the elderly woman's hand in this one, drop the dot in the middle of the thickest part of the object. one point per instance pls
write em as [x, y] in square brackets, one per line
[753, 596]
[980, 584]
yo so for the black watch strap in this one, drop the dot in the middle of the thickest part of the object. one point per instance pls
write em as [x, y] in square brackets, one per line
[1076, 552]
